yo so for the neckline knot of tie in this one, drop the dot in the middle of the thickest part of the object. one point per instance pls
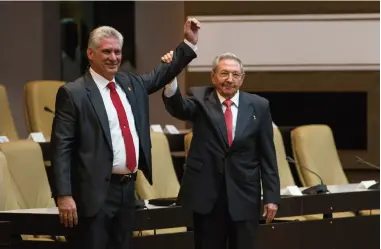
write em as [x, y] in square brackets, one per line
[228, 102]
[111, 86]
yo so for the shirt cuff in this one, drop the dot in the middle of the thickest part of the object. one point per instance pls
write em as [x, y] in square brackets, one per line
[171, 88]
[194, 47]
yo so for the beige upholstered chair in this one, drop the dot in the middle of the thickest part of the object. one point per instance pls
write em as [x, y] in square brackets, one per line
[8, 199]
[22, 181]
[314, 147]
[165, 182]
[285, 175]
[27, 170]
[38, 95]
[7, 126]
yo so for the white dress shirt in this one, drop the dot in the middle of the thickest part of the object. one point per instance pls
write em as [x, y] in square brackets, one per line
[118, 147]
[171, 88]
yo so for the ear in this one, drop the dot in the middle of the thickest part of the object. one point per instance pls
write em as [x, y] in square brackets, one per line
[243, 77]
[212, 74]
[90, 53]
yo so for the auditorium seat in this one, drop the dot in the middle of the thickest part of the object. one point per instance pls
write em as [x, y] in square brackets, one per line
[27, 170]
[165, 182]
[285, 175]
[21, 185]
[8, 199]
[39, 98]
[7, 126]
[314, 148]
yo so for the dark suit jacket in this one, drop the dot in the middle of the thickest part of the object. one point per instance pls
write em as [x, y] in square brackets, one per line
[81, 145]
[251, 157]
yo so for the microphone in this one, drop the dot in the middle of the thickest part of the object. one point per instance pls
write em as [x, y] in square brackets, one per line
[362, 161]
[318, 189]
[47, 109]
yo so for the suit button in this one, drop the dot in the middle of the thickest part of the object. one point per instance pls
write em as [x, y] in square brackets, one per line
[107, 179]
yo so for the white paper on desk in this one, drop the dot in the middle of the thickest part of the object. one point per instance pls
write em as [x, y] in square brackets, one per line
[365, 184]
[150, 206]
[38, 137]
[156, 128]
[291, 190]
[4, 139]
[171, 129]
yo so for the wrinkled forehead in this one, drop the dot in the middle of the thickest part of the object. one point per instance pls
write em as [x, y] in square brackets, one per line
[109, 43]
[230, 65]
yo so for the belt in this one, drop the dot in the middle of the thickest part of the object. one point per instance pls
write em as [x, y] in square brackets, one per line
[123, 178]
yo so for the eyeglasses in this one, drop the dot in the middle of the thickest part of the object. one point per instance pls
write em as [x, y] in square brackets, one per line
[226, 74]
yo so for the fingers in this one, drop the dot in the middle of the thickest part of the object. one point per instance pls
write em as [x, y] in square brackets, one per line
[264, 211]
[270, 212]
[270, 216]
[67, 211]
[194, 23]
[69, 218]
[167, 57]
[75, 218]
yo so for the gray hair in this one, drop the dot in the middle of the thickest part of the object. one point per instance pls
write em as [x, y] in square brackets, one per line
[103, 32]
[227, 55]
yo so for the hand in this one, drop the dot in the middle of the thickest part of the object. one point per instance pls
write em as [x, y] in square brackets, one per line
[270, 212]
[191, 28]
[67, 211]
[167, 58]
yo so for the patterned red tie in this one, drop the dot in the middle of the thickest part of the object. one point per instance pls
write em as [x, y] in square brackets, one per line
[229, 120]
[124, 126]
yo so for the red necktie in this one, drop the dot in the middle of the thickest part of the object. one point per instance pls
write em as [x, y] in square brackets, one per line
[124, 126]
[229, 120]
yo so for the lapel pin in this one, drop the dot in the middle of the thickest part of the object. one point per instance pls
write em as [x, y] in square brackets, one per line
[129, 89]
[254, 117]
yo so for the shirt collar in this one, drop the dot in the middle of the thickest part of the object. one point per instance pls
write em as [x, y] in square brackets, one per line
[235, 98]
[99, 80]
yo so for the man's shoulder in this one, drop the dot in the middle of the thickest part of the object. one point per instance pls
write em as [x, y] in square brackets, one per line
[75, 88]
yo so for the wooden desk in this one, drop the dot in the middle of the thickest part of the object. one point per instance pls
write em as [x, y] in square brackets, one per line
[342, 233]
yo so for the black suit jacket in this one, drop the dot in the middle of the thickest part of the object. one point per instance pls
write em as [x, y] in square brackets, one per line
[210, 161]
[81, 145]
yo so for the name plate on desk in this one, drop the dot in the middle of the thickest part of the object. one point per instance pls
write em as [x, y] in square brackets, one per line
[171, 129]
[38, 137]
[291, 190]
[365, 184]
[4, 139]
[156, 128]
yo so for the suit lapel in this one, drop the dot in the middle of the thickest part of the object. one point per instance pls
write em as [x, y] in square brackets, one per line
[99, 108]
[128, 89]
[245, 114]
[217, 115]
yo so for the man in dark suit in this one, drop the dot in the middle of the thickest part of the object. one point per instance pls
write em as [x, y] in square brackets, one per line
[101, 136]
[231, 152]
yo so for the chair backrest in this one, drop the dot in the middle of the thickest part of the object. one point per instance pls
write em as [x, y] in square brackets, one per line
[165, 182]
[8, 200]
[285, 175]
[27, 169]
[7, 126]
[314, 147]
[38, 95]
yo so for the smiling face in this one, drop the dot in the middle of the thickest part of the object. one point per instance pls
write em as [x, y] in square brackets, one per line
[227, 77]
[106, 57]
